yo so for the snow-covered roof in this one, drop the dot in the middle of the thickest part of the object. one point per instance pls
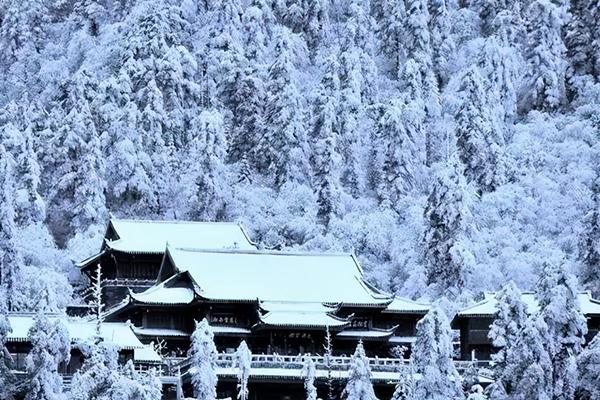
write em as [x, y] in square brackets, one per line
[251, 275]
[487, 307]
[402, 339]
[161, 294]
[146, 354]
[401, 305]
[366, 334]
[136, 236]
[297, 314]
[159, 332]
[229, 331]
[80, 330]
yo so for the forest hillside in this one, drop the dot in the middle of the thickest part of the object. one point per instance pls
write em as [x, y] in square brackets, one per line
[453, 146]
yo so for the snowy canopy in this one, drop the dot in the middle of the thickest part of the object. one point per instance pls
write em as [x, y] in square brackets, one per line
[119, 333]
[487, 307]
[237, 275]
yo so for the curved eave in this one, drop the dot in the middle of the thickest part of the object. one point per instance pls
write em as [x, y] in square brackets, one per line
[312, 327]
[412, 312]
[85, 263]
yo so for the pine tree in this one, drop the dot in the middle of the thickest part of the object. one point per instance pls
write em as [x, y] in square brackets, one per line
[22, 29]
[79, 184]
[544, 53]
[392, 32]
[7, 378]
[358, 74]
[11, 260]
[359, 386]
[588, 363]
[399, 151]
[432, 359]
[30, 207]
[589, 252]
[89, 14]
[243, 361]
[418, 39]
[224, 54]
[309, 374]
[211, 189]
[498, 64]
[405, 387]
[447, 214]
[442, 41]
[98, 374]
[327, 360]
[282, 149]
[529, 367]
[203, 355]
[129, 187]
[582, 39]
[51, 346]
[511, 318]
[566, 327]
[479, 139]
[325, 137]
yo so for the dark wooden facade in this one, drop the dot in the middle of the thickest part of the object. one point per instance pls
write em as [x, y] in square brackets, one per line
[474, 331]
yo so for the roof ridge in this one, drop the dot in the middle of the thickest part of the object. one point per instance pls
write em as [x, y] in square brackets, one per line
[260, 252]
[176, 221]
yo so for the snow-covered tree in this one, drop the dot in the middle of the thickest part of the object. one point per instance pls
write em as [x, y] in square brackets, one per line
[448, 259]
[588, 364]
[7, 378]
[327, 359]
[480, 140]
[566, 326]
[589, 252]
[98, 374]
[325, 137]
[582, 38]
[432, 359]
[390, 16]
[405, 386]
[282, 149]
[511, 317]
[211, 190]
[359, 386]
[544, 53]
[11, 261]
[528, 367]
[203, 354]
[243, 360]
[51, 346]
[400, 153]
[309, 374]
[442, 42]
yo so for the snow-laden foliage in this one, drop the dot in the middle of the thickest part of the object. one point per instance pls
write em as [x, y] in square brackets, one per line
[309, 374]
[589, 370]
[432, 359]
[203, 354]
[243, 359]
[321, 124]
[359, 385]
[51, 346]
[102, 378]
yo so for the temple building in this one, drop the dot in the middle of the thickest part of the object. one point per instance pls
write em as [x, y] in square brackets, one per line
[279, 302]
[132, 250]
[474, 323]
[159, 278]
